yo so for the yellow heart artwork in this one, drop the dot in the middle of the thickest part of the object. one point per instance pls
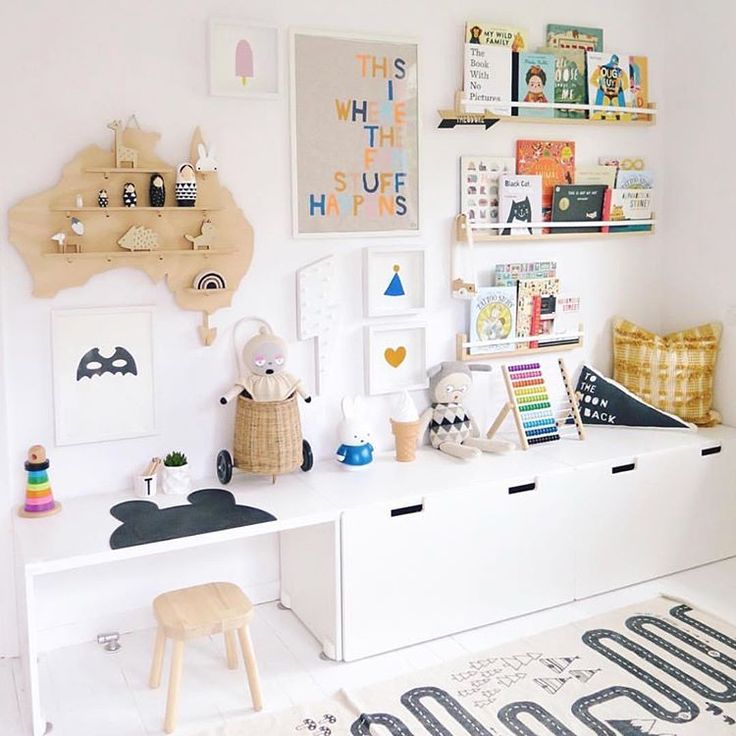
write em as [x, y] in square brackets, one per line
[395, 357]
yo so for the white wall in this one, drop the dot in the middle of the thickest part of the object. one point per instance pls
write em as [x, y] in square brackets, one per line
[80, 63]
[698, 247]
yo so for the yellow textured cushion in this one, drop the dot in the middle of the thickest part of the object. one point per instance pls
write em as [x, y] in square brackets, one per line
[674, 372]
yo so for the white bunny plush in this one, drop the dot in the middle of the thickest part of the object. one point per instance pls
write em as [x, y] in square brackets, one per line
[354, 433]
[206, 161]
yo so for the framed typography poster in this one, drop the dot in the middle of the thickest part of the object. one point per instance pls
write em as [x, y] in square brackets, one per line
[355, 142]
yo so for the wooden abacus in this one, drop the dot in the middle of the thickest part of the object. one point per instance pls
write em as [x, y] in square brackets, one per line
[537, 420]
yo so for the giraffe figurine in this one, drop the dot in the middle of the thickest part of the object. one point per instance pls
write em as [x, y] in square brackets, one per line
[123, 154]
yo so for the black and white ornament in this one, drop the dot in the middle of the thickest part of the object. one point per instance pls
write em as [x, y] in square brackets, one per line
[186, 185]
[130, 196]
[157, 191]
[102, 198]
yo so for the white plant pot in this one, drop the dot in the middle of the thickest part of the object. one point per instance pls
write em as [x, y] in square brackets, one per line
[176, 480]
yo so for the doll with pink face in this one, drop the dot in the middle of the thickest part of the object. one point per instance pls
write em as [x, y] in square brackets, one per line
[264, 360]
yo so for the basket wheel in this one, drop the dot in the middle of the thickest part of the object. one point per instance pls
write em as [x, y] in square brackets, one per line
[307, 456]
[224, 467]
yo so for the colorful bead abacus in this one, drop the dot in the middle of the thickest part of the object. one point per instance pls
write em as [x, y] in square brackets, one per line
[533, 403]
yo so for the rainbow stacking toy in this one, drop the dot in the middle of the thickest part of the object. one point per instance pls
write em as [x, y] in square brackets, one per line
[39, 496]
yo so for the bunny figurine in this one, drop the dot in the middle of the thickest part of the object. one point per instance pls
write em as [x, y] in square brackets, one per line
[355, 450]
[206, 161]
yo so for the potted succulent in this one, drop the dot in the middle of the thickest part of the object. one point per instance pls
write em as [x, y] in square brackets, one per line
[176, 475]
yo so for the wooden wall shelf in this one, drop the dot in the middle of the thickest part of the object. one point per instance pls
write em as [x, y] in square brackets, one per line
[160, 254]
[463, 352]
[485, 235]
[129, 170]
[136, 209]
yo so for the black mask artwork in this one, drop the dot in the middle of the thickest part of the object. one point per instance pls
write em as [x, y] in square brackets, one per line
[94, 364]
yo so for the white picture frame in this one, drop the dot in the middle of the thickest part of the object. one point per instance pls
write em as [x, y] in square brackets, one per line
[318, 152]
[103, 374]
[394, 281]
[395, 357]
[229, 43]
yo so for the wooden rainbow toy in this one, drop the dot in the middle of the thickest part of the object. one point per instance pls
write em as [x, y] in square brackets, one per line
[39, 496]
[537, 420]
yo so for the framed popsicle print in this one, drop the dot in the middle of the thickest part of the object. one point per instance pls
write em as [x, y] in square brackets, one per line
[354, 133]
[394, 281]
[244, 59]
[395, 357]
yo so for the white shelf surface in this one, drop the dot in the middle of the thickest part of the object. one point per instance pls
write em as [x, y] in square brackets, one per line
[79, 536]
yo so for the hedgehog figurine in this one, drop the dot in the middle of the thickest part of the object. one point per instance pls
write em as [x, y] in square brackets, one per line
[102, 198]
[157, 191]
[130, 197]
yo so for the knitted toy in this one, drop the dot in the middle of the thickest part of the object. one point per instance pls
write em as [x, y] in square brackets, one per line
[452, 428]
[264, 377]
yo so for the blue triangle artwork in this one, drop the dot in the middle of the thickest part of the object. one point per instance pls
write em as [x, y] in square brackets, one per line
[395, 287]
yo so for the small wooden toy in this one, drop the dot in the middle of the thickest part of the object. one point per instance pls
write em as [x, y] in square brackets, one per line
[452, 428]
[157, 191]
[39, 496]
[537, 420]
[139, 237]
[130, 196]
[186, 185]
[206, 239]
[206, 161]
[209, 280]
[355, 450]
[78, 202]
[464, 278]
[102, 198]
[123, 154]
[64, 245]
[77, 226]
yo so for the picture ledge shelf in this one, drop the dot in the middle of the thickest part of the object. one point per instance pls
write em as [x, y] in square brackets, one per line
[463, 346]
[485, 232]
[68, 210]
[160, 254]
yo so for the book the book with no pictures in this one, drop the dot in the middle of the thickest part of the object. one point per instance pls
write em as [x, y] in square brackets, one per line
[487, 78]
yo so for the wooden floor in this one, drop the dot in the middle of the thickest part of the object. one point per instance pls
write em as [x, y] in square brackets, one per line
[90, 692]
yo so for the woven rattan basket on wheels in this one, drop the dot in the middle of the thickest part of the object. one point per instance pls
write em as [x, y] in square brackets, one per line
[268, 440]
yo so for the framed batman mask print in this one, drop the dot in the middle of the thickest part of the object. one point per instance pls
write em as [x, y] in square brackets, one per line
[103, 374]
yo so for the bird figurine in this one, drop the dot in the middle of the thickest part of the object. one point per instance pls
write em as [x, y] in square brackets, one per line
[102, 198]
[79, 202]
[130, 197]
[60, 239]
[157, 191]
[77, 226]
[186, 185]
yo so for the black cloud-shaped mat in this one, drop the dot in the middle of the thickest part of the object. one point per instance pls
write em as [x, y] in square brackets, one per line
[208, 510]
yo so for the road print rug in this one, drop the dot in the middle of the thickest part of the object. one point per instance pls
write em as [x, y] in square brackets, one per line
[659, 668]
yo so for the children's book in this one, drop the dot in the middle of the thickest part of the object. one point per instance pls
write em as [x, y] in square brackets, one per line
[479, 186]
[534, 81]
[578, 203]
[639, 80]
[574, 37]
[493, 317]
[605, 175]
[571, 83]
[487, 76]
[609, 85]
[520, 201]
[634, 179]
[509, 274]
[623, 162]
[490, 34]
[565, 323]
[632, 204]
[554, 161]
[528, 288]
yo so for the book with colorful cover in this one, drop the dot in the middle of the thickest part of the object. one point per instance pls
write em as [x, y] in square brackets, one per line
[639, 80]
[634, 179]
[637, 163]
[520, 201]
[605, 175]
[609, 85]
[574, 37]
[534, 81]
[493, 317]
[478, 32]
[578, 203]
[632, 204]
[564, 325]
[571, 83]
[554, 161]
[509, 274]
[487, 78]
[528, 288]
[479, 186]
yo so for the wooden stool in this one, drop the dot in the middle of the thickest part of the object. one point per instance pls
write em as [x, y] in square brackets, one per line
[191, 613]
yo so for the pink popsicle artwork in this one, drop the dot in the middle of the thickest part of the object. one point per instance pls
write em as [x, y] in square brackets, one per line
[243, 61]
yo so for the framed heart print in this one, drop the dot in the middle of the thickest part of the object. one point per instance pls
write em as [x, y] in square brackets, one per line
[395, 357]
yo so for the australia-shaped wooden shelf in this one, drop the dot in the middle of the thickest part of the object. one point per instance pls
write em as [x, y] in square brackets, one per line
[71, 232]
